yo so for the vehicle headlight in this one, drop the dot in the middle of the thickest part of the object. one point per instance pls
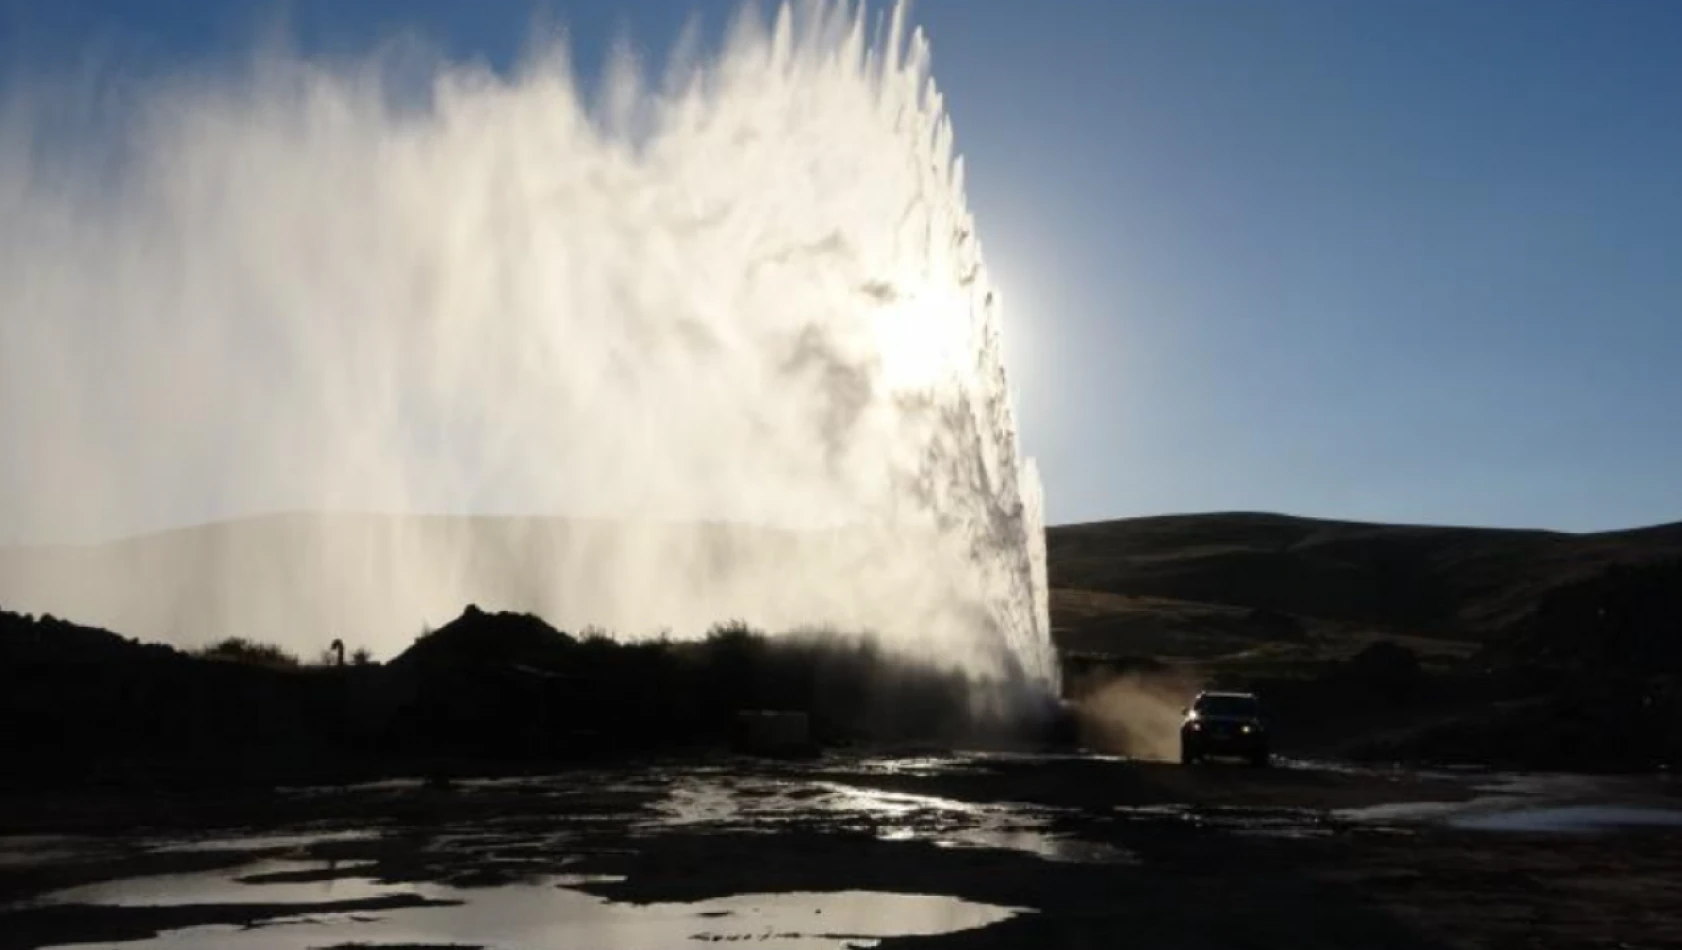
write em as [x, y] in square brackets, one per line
[1246, 729]
[1196, 726]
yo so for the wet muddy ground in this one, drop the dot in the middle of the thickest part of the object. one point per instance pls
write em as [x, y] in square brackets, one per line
[948, 850]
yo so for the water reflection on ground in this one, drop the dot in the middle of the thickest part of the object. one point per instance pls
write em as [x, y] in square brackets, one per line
[1276, 822]
[764, 806]
[261, 842]
[280, 882]
[1571, 819]
[542, 913]
[675, 856]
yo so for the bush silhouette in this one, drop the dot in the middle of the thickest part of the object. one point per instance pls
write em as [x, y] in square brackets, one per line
[241, 650]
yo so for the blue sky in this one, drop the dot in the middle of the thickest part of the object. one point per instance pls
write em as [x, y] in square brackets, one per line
[1416, 261]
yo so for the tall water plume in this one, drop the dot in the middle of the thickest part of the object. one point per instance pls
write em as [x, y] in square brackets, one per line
[750, 295]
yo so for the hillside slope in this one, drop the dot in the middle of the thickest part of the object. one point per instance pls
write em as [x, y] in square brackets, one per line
[1238, 574]
[1520, 649]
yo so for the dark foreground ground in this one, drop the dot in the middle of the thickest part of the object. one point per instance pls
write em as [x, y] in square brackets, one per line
[958, 851]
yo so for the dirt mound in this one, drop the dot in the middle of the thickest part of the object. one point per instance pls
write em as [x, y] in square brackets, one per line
[477, 638]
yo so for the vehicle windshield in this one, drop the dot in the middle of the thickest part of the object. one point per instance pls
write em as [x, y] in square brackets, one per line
[1234, 706]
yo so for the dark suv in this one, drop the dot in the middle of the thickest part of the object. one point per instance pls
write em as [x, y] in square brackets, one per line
[1224, 724]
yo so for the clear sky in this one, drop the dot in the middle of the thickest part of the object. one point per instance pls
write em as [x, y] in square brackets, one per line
[1417, 260]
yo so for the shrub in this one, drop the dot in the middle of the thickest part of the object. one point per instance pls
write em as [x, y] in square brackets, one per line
[241, 650]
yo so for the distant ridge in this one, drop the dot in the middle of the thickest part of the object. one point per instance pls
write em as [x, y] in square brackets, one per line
[376, 580]
[1447, 582]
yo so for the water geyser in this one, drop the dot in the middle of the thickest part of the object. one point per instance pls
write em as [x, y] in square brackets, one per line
[730, 332]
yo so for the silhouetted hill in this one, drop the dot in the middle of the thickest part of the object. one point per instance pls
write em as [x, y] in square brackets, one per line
[85, 705]
[47, 640]
[1437, 582]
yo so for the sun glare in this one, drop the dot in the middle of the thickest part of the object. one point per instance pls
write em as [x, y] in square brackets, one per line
[922, 338]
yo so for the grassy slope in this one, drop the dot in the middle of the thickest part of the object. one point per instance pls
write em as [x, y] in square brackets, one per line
[1188, 585]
